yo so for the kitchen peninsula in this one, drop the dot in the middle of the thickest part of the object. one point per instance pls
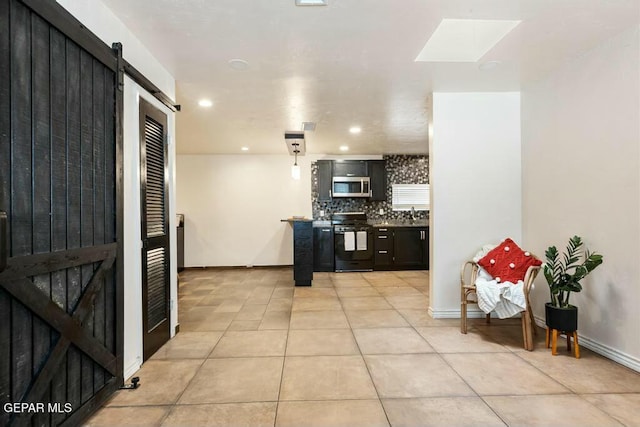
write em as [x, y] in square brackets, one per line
[302, 250]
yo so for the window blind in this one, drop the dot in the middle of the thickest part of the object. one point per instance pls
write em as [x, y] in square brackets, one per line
[405, 196]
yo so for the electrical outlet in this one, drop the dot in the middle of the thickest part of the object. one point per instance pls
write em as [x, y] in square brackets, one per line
[321, 214]
[381, 211]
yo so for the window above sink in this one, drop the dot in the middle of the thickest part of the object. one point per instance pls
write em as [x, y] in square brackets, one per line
[407, 196]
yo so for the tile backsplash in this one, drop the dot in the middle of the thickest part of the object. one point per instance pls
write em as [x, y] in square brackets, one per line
[401, 169]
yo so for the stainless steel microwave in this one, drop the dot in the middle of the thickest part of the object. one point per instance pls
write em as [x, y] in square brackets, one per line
[351, 186]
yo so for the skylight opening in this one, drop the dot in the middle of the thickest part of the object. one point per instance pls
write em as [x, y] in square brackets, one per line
[464, 40]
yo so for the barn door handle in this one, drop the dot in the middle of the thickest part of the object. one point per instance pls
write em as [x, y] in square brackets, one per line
[4, 245]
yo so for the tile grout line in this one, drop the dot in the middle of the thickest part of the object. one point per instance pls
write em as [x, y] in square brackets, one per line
[384, 410]
[175, 404]
[284, 359]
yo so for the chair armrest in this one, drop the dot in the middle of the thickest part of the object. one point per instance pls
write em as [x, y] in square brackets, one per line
[468, 274]
[529, 277]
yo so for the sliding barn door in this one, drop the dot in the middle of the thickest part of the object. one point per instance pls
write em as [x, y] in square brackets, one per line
[155, 228]
[59, 322]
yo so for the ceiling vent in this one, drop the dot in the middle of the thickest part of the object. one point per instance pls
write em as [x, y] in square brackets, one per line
[295, 137]
[308, 126]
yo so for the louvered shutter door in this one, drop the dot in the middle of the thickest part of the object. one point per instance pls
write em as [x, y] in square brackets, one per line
[156, 279]
[155, 228]
[155, 178]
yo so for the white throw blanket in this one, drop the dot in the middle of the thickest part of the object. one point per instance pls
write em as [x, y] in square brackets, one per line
[506, 299]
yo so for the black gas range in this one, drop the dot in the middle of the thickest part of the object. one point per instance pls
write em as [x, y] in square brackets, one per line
[353, 240]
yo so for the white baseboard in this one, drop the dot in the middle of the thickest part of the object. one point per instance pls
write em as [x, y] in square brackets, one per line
[606, 351]
[472, 313]
[603, 350]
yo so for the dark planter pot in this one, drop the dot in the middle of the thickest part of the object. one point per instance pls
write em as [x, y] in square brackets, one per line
[564, 319]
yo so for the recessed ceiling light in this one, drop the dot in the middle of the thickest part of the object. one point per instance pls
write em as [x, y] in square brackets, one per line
[238, 64]
[245, 148]
[311, 2]
[464, 40]
[344, 148]
[205, 103]
[355, 129]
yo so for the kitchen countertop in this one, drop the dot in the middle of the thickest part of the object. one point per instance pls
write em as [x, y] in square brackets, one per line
[400, 223]
[378, 223]
[292, 220]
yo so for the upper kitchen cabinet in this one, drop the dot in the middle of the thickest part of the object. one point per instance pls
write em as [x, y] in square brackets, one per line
[324, 179]
[353, 173]
[378, 177]
[350, 168]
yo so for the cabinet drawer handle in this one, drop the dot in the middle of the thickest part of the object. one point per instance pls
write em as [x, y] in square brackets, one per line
[382, 229]
[382, 252]
[326, 230]
[382, 237]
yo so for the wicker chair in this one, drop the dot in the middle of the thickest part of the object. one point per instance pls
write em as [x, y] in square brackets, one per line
[468, 276]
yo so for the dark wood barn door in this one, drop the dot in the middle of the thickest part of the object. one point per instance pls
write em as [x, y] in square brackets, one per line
[60, 324]
[155, 228]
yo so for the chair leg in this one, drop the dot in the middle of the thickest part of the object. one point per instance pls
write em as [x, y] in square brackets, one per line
[526, 332]
[488, 318]
[533, 321]
[546, 340]
[463, 317]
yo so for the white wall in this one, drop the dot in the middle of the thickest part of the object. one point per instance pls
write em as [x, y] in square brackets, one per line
[99, 19]
[475, 174]
[233, 205]
[581, 175]
[102, 22]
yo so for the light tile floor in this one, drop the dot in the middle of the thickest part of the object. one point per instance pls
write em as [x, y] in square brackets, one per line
[357, 349]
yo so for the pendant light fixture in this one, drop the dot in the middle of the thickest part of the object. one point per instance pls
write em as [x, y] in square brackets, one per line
[295, 169]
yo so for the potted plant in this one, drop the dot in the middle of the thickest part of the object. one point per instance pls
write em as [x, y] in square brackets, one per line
[563, 276]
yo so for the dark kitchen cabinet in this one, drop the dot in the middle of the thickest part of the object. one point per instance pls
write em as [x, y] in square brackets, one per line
[401, 248]
[302, 253]
[383, 249]
[180, 242]
[324, 179]
[323, 253]
[350, 168]
[378, 178]
[409, 247]
[374, 169]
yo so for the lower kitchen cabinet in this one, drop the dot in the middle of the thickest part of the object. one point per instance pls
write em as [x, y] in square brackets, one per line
[323, 249]
[401, 248]
[410, 248]
[383, 249]
[302, 253]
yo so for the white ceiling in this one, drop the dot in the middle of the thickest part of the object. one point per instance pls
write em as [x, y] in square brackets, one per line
[348, 63]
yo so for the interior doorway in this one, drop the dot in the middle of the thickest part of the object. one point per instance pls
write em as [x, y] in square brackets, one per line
[155, 228]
